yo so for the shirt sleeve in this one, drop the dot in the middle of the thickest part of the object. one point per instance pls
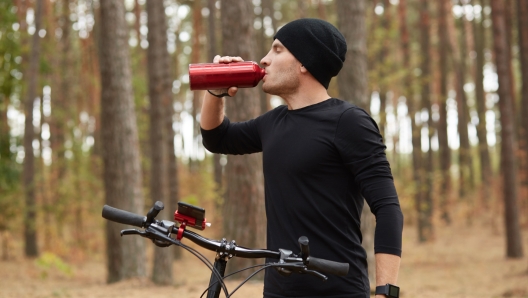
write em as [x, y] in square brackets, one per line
[233, 138]
[362, 149]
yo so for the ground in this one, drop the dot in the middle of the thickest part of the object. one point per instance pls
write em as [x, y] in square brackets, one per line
[463, 261]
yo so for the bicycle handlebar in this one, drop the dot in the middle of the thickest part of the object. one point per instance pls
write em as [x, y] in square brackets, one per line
[239, 251]
[123, 217]
[228, 249]
[327, 266]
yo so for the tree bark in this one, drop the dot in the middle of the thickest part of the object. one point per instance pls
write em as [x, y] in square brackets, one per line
[244, 201]
[213, 50]
[5, 153]
[171, 116]
[480, 100]
[464, 150]
[197, 31]
[159, 87]
[445, 151]
[353, 78]
[509, 18]
[122, 171]
[63, 82]
[384, 66]
[514, 248]
[425, 211]
[408, 91]
[30, 227]
[353, 86]
[263, 45]
[321, 10]
[522, 10]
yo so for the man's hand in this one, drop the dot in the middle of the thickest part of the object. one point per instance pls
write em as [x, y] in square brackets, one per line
[212, 113]
[226, 59]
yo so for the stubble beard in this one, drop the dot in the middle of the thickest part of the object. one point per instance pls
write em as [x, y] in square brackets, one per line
[284, 83]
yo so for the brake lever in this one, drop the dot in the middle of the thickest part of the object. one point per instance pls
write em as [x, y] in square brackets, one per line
[315, 273]
[283, 271]
[149, 235]
[133, 232]
[287, 268]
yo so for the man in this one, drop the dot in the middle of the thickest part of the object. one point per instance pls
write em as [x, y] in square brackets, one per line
[321, 156]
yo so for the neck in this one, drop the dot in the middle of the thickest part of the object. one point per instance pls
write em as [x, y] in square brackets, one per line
[307, 95]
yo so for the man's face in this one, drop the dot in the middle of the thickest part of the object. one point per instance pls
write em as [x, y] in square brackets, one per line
[282, 71]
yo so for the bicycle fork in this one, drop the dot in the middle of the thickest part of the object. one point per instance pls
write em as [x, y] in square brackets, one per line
[214, 284]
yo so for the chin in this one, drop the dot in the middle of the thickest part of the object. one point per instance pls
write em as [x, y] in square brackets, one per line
[266, 88]
[270, 91]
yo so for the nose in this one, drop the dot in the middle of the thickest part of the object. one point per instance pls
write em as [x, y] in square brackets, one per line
[265, 61]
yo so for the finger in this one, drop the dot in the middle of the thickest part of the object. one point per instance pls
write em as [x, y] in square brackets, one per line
[216, 59]
[232, 91]
[225, 59]
[230, 59]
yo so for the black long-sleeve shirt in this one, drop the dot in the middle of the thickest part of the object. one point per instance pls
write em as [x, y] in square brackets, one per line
[319, 162]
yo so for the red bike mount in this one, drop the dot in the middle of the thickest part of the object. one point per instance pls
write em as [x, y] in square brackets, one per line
[186, 220]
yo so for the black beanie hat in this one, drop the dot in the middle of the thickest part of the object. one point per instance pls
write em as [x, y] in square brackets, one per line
[317, 44]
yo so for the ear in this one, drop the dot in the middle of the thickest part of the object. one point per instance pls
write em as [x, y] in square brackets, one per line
[303, 69]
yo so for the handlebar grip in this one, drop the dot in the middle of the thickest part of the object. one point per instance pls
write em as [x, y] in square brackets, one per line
[122, 216]
[327, 266]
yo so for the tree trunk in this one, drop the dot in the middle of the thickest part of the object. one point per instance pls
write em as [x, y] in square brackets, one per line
[321, 10]
[172, 116]
[509, 18]
[480, 100]
[353, 86]
[61, 112]
[464, 151]
[352, 79]
[514, 247]
[197, 94]
[244, 201]
[159, 87]
[171, 203]
[5, 135]
[263, 44]
[425, 213]
[523, 44]
[384, 66]
[30, 226]
[411, 104]
[213, 50]
[268, 10]
[445, 151]
[122, 171]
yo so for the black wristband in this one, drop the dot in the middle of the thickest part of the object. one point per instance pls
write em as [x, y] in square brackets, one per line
[218, 95]
[388, 290]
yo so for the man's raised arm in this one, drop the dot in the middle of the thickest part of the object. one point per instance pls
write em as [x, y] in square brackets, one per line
[212, 113]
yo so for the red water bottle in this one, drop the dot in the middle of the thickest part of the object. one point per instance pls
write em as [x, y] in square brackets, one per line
[211, 76]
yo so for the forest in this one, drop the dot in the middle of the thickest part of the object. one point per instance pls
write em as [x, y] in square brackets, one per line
[96, 108]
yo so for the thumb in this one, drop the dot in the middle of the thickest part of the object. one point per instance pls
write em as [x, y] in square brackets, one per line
[232, 91]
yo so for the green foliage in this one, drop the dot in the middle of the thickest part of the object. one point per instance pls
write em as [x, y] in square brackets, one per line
[10, 206]
[50, 262]
[10, 203]
[199, 188]
[9, 50]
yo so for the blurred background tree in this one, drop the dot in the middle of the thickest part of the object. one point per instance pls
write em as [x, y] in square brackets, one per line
[446, 82]
[122, 172]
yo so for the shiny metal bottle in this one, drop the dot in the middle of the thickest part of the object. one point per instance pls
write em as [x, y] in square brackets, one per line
[211, 76]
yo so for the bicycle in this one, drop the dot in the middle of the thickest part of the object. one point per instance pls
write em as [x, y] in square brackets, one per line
[160, 231]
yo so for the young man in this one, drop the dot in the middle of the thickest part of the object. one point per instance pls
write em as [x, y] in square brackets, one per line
[321, 157]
